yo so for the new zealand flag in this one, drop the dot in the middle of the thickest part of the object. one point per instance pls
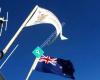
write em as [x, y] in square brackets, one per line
[57, 66]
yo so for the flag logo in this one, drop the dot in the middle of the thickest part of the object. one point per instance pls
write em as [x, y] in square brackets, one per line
[48, 59]
[38, 52]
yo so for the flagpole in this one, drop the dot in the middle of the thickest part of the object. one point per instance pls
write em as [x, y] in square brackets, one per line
[32, 68]
[18, 32]
[37, 59]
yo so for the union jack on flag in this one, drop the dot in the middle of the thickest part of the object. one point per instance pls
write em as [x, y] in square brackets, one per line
[48, 59]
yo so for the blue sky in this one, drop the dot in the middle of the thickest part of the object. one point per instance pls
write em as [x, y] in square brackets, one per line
[82, 27]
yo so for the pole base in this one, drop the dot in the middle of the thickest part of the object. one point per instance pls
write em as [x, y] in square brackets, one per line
[1, 54]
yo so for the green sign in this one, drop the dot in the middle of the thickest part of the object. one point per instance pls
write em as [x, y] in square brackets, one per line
[38, 52]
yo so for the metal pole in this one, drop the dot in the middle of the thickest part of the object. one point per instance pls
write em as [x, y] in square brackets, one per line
[18, 32]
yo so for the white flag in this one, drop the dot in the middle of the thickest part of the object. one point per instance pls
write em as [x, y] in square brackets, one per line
[41, 16]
